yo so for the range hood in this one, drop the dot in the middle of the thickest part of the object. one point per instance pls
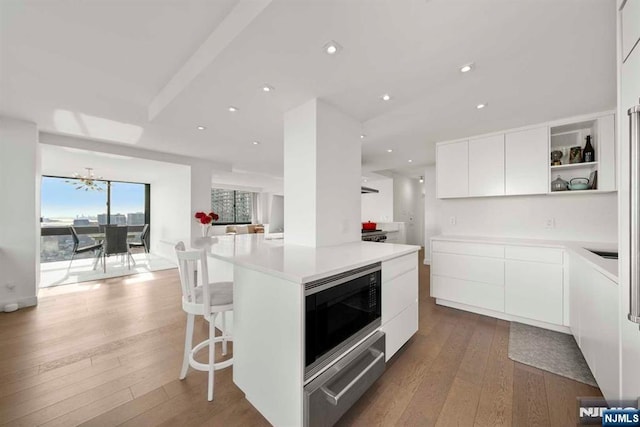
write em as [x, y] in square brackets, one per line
[365, 190]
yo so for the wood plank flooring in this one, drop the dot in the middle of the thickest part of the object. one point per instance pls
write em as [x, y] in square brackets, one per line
[108, 353]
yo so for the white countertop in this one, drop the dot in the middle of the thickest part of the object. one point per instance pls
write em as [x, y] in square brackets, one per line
[608, 267]
[298, 264]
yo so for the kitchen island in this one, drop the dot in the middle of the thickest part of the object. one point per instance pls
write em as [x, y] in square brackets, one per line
[269, 308]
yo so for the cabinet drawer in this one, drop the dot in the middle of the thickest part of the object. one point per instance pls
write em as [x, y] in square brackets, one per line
[476, 269]
[463, 248]
[397, 266]
[399, 293]
[534, 254]
[399, 329]
[534, 290]
[467, 292]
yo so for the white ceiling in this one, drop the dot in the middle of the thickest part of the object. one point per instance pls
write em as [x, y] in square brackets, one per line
[64, 161]
[94, 69]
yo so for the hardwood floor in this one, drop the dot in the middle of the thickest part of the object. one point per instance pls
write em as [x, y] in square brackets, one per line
[109, 353]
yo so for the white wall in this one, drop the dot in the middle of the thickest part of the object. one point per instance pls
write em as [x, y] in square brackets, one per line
[408, 207]
[431, 224]
[170, 207]
[322, 165]
[577, 217]
[378, 207]
[20, 212]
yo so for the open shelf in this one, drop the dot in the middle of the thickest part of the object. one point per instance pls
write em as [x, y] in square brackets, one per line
[574, 166]
[574, 192]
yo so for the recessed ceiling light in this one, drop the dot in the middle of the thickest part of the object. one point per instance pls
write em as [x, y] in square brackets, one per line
[466, 68]
[267, 88]
[481, 106]
[389, 150]
[233, 109]
[201, 128]
[364, 180]
[410, 161]
[386, 97]
[332, 48]
[363, 136]
[256, 142]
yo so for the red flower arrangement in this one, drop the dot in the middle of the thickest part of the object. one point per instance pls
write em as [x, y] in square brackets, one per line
[205, 219]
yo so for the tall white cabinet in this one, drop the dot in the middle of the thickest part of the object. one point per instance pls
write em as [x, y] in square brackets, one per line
[629, 95]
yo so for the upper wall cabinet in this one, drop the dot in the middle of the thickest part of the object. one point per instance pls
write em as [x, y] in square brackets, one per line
[526, 154]
[486, 166]
[452, 169]
[518, 162]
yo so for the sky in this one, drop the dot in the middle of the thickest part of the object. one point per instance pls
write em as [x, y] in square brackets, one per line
[61, 200]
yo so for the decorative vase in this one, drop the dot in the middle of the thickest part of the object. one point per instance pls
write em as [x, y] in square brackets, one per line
[205, 230]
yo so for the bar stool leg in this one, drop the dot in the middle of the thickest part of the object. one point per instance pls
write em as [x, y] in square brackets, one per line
[224, 333]
[188, 344]
[212, 353]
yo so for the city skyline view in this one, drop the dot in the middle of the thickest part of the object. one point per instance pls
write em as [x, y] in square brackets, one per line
[61, 200]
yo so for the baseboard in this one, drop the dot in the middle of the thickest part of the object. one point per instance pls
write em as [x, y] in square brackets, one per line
[22, 302]
[504, 316]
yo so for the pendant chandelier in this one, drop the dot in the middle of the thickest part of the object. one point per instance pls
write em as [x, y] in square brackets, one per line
[87, 181]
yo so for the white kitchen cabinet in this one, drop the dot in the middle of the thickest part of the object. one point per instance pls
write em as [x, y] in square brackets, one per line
[527, 161]
[399, 301]
[452, 169]
[534, 290]
[399, 329]
[477, 294]
[486, 166]
[507, 280]
[594, 314]
[604, 335]
[606, 134]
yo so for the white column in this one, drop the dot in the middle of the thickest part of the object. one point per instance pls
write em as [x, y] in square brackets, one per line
[322, 172]
[19, 212]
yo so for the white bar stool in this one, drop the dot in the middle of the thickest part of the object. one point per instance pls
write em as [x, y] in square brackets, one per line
[208, 300]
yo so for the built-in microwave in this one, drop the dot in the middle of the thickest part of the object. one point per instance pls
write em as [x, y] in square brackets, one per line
[341, 310]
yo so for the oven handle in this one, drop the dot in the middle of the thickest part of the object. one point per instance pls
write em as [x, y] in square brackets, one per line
[334, 398]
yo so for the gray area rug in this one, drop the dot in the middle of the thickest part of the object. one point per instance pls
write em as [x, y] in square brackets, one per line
[550, 351]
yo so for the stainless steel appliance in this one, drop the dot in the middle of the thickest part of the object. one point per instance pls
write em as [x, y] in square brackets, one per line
[340, 311]
[374, 235]
[332, 393]
[634, 213]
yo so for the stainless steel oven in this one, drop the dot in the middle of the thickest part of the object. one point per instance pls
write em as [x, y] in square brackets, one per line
[344, 350]
[341, 310]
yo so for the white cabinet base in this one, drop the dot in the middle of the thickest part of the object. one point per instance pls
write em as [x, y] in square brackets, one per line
[399, 329]
[503, 316]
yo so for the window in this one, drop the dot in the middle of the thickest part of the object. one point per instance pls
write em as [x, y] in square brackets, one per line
[63, 204]
[233, 207]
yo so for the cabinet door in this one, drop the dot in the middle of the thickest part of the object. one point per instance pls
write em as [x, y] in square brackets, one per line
[534, 290]
[606, 150]
[527, 162]
[486, 166]
[605, 310]
[452, 169]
